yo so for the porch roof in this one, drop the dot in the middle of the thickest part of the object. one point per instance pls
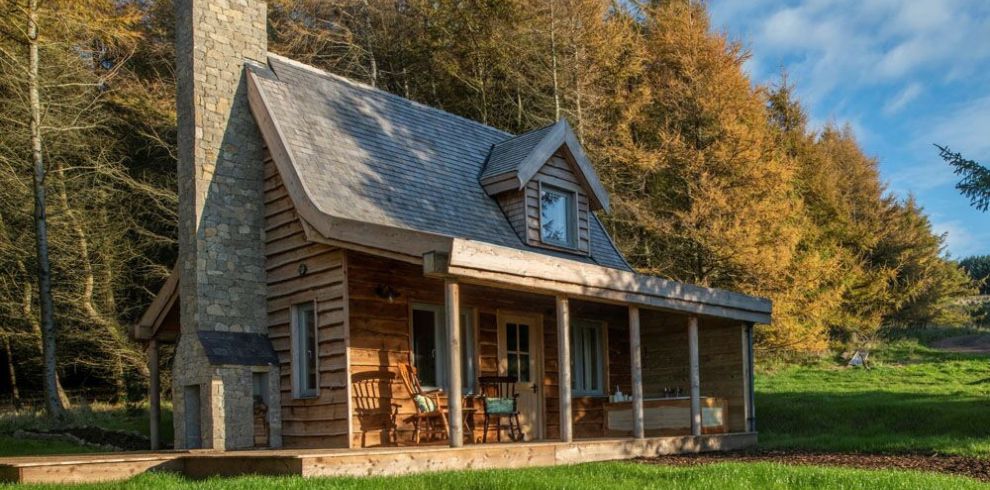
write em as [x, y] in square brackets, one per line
[484, 263]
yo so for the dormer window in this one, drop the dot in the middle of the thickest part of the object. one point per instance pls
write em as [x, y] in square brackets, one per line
[558, 217]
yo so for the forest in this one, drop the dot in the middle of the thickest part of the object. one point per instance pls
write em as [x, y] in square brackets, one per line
[714, 180]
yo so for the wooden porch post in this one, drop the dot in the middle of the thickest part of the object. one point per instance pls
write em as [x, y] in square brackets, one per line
[639, 430]
[456, 422]
[154, 396]
[564, 367]
[695, 376]
[749, 376]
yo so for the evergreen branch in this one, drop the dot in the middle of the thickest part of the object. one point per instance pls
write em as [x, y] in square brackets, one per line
[975, 183]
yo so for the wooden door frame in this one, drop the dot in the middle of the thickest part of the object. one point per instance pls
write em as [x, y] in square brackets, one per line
[535, 321]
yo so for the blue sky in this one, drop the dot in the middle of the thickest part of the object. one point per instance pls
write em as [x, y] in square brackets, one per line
[903, 73]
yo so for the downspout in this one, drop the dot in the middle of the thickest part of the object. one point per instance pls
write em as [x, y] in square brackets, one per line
[751, 422]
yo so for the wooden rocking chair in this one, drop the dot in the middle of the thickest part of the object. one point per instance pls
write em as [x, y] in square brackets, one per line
[430, 417]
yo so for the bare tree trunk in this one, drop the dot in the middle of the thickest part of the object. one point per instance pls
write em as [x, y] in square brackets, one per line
[553, 61]
[36, 330]
[53, 403]
[519, 110]
[370, 47]
[15, 393]
[577, 93]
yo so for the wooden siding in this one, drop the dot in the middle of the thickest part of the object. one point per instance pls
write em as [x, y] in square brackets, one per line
[721, 366]
[321, 421]
[514, 207]
[522, 208]
[379, 342]
[380, 331]
[557, 172]
[587, 412]
[665, 360]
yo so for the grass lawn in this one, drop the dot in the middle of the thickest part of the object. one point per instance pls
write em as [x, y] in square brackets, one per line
[915, 399]
[103, 415]
[726, 476]
[9, 446]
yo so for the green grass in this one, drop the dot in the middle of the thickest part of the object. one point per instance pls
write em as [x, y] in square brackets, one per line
[915, 399]
[9, 446]
[103, 415]
[598, 476]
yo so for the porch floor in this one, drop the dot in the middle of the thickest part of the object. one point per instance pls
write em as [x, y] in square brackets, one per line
[355, 462]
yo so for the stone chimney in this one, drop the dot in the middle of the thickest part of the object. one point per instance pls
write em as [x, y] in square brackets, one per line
[223, 365]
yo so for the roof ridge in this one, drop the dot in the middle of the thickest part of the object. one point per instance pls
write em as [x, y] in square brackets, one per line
[355, 83]
[527, 133]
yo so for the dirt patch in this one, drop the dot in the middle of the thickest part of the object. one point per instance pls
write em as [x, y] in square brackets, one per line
[954, 465]
[968, 344]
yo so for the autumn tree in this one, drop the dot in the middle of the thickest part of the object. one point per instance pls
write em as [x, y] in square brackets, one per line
[59, 63]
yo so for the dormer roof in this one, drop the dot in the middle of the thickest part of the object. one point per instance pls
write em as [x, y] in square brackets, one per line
[512, 163]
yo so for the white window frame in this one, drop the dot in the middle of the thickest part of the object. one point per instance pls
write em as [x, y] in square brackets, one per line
[578, 357]
[572, 216]
[442, 347]
[299, 389]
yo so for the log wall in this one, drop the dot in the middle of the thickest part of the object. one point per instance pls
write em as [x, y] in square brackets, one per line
[321, 421]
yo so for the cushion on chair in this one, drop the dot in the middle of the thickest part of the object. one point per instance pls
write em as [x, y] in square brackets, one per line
[499, 406]
[425, 404]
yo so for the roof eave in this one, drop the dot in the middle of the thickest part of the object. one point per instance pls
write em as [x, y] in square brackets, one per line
[563, 136]
[491, 264]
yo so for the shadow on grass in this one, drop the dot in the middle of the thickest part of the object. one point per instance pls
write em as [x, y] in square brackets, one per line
[875, 421]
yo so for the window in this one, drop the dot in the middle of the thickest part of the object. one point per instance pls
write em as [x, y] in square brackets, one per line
[517, 351]
[304, 351]
[587, 358]
[430, 347]
[558, 217]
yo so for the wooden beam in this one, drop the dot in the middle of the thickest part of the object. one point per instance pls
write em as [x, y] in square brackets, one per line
[695, 376]
[525, 270]
[750, 375]
[154, 396]
[454, 401]
[639, 429]
[564, 367]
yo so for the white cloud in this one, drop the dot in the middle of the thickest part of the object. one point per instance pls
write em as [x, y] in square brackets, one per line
[959, 240]
[837, 46]
[966, 129]
[902, 98]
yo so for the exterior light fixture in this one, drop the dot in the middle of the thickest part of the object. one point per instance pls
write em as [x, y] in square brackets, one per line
[388, 293]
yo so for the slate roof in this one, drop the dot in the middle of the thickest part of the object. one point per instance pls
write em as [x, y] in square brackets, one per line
[506, 155]
[237, 348]
[371, 156]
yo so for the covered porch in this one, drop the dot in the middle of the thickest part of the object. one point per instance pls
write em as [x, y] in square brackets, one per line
[682, 374]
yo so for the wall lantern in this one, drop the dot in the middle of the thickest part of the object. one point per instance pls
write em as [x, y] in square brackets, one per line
[388, 293]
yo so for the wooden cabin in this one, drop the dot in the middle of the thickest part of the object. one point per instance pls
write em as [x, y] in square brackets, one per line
[396, 235]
